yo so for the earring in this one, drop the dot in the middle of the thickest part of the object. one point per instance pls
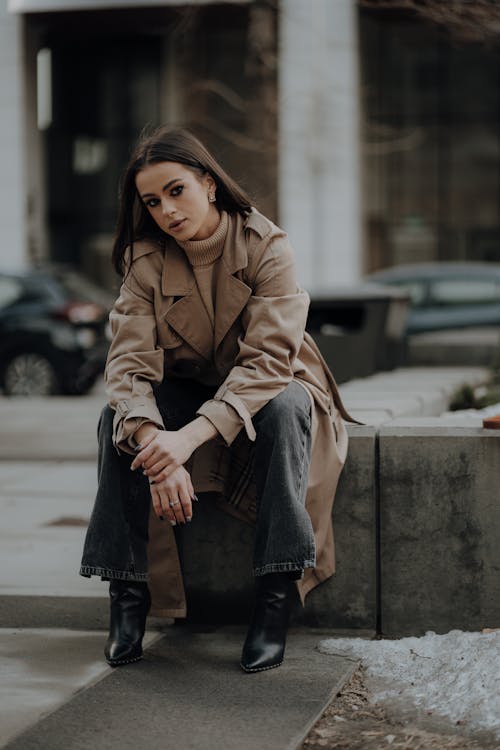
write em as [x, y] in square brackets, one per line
[211, 198]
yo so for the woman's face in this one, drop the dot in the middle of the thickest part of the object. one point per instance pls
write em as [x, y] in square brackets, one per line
[178, 200]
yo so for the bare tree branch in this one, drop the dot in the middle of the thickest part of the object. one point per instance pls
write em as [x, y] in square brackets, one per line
[382, 139]
[469, 20]
[220, 89]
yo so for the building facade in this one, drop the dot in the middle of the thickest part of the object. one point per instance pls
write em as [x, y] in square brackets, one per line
[371, 137]
[253, 79]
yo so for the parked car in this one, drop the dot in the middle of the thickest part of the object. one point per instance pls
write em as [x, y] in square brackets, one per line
[447, 295]
[53, 325]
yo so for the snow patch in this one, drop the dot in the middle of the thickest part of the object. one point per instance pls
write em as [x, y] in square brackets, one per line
[456, 675]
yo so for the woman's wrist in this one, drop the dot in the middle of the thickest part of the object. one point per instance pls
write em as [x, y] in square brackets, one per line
[144, 431]
[199, 431]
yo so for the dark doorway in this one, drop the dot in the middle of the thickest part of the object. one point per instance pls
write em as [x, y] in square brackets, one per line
[104, 91]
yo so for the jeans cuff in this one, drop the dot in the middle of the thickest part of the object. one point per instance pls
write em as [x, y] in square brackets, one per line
[286, 567]
[108, 574]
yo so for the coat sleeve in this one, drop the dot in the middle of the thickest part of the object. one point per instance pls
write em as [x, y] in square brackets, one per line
[274, 321]
[135, 362]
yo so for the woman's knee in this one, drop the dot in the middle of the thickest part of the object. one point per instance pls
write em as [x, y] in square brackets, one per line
[292, 404]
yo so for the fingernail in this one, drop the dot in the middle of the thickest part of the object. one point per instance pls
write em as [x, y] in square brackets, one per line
[189, 520]
[195, 498]
[173, 523]
[138, 448]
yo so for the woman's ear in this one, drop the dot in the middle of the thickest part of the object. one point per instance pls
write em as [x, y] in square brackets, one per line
[211, 188]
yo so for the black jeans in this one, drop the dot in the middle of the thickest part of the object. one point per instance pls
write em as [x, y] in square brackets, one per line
[116, 541]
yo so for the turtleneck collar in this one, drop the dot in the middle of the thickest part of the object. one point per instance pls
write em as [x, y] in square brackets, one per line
[205, 252]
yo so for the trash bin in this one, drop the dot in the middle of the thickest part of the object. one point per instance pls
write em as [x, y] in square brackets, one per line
[360, 329]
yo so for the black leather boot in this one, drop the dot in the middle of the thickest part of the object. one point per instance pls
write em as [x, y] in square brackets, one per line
[264, 646]
[130, 603]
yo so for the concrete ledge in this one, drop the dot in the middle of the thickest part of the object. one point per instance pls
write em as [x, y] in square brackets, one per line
[439, 527]
[216, 552]
[468, 346]
[349, 598]
[407, 392]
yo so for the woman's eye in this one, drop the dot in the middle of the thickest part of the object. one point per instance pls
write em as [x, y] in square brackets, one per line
[177, 190]
[152, 202]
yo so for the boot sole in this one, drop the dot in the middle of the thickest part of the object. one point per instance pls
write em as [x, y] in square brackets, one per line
[249, 670]
[121, 662]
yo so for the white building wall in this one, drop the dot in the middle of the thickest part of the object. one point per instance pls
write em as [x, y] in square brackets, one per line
[13, 252]
[319, 171]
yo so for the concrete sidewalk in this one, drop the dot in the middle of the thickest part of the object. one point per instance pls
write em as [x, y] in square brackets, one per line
[187, 693]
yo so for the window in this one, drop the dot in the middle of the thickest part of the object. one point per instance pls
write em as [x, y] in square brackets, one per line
[415, 289]
[466, 292]
[10, 291]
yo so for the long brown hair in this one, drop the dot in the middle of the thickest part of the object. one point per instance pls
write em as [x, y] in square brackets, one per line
[167, 144]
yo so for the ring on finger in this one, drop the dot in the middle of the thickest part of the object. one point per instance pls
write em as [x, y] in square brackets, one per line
[177, 502]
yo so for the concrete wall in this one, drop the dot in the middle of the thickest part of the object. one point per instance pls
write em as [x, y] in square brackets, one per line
[349, 599]
[439, 528]
[417, 526]
[216, 554]
[12, 124]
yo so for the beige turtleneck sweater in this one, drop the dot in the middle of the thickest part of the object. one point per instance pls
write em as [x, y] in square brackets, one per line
[203, 255]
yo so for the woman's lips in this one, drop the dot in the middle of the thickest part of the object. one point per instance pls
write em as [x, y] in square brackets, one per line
[176, 225]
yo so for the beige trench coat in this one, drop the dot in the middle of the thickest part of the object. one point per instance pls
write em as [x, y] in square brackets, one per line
[258, 345]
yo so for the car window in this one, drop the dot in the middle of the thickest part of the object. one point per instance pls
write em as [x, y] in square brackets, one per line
[465, 291]
[415, 290]
[79, 287]
[10, 291]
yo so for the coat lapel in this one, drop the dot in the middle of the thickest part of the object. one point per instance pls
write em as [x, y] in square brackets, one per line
[232, 294]
[187, 316]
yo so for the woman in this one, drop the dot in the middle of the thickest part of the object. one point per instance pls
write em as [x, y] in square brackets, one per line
[213, 385]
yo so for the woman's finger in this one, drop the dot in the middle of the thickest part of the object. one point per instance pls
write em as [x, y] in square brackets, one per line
[161, 504]
[173, 497]
[166, 509]
[155, 457]
[147, 450]
[176, 507]
[156, 500]
[160, 470]
[185, 499]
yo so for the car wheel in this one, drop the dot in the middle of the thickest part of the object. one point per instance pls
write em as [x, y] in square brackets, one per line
[30, 374]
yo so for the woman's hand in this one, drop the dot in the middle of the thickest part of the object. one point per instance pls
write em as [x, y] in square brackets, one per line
[162, 452]
[173, 497]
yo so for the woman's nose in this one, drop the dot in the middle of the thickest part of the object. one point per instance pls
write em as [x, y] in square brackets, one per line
[167, 207]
